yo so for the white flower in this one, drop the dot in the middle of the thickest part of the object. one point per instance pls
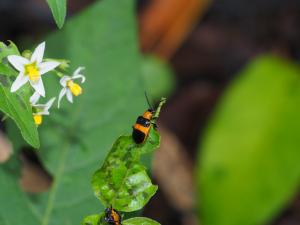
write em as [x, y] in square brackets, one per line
[40, 109]
[34, 98]
[71, 88]
[31, 70]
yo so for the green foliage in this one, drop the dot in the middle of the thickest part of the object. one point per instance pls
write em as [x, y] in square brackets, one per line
[14, 208]
[158, 77]
[93, 219]
[139, 221]
[98, 220]
[122, 181]
[76, 139]
[6, 70]
[16, 106]
[20, 111]
[5, 50]
[59, 10]
[249, 167]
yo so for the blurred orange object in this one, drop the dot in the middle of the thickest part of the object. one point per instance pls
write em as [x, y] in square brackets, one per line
[164, 24]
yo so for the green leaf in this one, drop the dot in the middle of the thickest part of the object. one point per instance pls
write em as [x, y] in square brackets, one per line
[7, 70]
[140, 221]
[122, 181]
[158, 77]
[76, 139]
[14, 207]
[249, 166]
[93, 219]
[19, 111]
[5, 50]
[59, 10]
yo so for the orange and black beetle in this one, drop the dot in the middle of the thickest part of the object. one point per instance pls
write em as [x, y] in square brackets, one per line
[142, 126]
[143, 123]
[112, 216]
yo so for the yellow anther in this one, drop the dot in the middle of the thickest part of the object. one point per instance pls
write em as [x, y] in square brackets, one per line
[38, 119]
[75, 88]
[32, 71]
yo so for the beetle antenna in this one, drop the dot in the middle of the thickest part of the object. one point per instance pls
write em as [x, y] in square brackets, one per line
[150, 106]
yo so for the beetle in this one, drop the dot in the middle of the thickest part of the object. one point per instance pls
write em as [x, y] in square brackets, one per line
[143, 124]
[112, 216]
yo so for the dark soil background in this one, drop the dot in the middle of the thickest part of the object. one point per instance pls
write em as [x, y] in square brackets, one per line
[226, 37]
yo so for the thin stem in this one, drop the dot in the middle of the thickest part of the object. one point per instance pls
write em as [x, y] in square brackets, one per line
[157, 111]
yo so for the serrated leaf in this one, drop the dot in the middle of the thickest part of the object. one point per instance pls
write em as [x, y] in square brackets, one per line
[140, 221]
[250, 168]
[122, 181]
[20, 112]
[59, 11]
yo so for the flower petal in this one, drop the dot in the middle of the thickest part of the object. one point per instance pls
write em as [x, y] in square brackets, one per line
[34, 98]
[38, 54]
[79, 76]
[50, 103]
[47, 66]
[19, 82]
[18, 62]
[63, 80]
[38, 87]
[61, 94]
[69, 96]
[77, 71]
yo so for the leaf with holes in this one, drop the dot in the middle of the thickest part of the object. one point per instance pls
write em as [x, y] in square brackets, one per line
[122, 181]
[59, 11]
[77, 137]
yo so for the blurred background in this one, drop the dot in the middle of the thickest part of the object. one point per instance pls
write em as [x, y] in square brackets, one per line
[203, 45]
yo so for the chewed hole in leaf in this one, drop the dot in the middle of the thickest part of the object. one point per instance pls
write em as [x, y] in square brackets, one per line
[34, 177]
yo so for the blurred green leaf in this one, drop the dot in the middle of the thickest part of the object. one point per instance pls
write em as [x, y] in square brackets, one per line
[14, 208]
[158, 77]
[140, 221]
[20, 112]
[59, 10]
[76, 138]
[249, 166]
[122, 181]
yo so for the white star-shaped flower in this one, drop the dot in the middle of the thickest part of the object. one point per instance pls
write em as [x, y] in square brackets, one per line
[71, 88]
[31, 70]
[40, 109]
